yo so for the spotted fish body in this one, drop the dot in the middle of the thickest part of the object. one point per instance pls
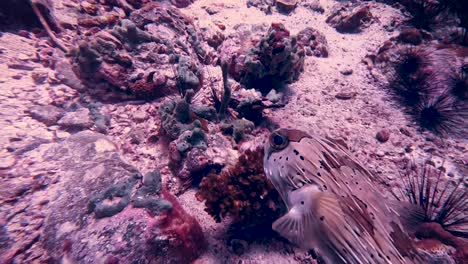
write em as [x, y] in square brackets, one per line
[333, 204]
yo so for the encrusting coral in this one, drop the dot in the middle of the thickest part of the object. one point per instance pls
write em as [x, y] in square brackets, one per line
[241, 192]
[146, 196]
[275, 60]
[156, 51]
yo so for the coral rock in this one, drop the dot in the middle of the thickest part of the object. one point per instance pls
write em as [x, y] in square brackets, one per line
[140, 53]
[136, 221]
[286, 5]
[241, 191]
[264, 64]
[77, 120]
[350, 19]
[314, 42]
[48, 114]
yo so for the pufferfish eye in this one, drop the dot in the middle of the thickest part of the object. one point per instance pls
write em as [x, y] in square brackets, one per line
[278, 141]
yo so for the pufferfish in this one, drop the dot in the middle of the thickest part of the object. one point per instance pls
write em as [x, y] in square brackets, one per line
[333, 204]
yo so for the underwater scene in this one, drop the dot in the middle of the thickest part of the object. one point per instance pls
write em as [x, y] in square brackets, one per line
[233, 131]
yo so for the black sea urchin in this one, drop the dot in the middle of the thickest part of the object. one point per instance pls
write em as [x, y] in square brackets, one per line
[458, 85]
[443, 114]
[410, 74]
[443, 202]
[426, 14]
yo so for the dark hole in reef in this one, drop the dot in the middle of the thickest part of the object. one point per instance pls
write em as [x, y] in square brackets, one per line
[149, 79]
[198, 176]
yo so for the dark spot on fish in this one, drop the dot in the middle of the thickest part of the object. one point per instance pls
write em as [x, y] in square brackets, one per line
[282, 167]
[287, 158]
[302, 202]
[357, 233]
[274, 159]
[354, 171]
[360, 189]
[380, 256]
[296, 152]
[322, 218]
[318, 174]
[365, 205]
[346, 182]
[302, 158]
[388, 257]
[372, 255]
[280, 157]
[303, 169]
[324, 187]
[357, 183]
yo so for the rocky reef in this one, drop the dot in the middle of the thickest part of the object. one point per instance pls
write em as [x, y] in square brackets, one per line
[156, 51]
[105, 199]
[133, 130]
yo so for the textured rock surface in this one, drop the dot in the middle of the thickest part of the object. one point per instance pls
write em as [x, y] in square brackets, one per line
[313, 41]
[156, 51]
[76, 120]
[71, 178]
[48, 114]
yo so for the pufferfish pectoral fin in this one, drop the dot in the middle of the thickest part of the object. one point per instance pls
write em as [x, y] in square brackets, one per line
[309, 208]
[295, 225]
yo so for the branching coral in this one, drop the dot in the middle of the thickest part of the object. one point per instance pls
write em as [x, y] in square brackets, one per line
[241, 191]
